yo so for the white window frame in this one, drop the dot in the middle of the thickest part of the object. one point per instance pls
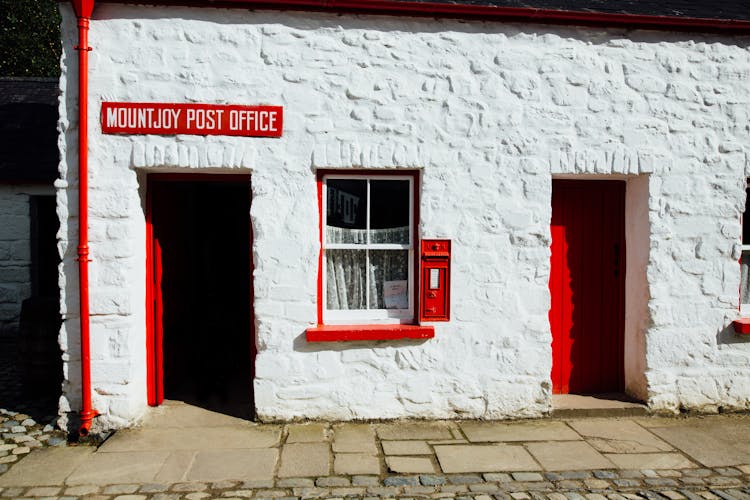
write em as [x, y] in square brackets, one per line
[385, 316]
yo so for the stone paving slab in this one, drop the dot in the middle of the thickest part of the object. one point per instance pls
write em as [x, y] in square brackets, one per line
[415, 430]
[175, 467]
[618, 436]
[484, 458]
[568, 455]
[307, 433]
[114, 468]
[354, 438]
[217, 465]
[406, 448]
[304, 459]
[160, 439]
[714, 442]
[46, 466]
[650, 460]
[410, 465]
[356, 463]
[518, 431]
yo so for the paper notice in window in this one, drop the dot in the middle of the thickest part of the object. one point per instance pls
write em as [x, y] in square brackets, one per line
[396, 294]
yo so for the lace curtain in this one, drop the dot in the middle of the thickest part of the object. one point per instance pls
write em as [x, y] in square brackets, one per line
[348, 270]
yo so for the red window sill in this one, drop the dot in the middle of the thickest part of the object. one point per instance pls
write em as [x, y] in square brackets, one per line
[742, 326]
[344, 333]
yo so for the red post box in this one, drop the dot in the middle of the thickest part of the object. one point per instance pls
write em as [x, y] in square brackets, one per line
[436, 271]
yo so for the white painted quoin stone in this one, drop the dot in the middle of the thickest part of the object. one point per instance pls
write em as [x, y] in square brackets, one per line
[488, 113]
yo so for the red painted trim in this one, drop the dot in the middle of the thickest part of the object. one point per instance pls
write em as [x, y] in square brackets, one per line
[417, 257]
[416, 192]
[587, 286]
[742, 326]
[254, 338]
[348, 333]
[321, 292]
[154, 330]
[150, 305]
[175, 118]
[436, 254]
[83, 8]
[479, 12]
[158, 324]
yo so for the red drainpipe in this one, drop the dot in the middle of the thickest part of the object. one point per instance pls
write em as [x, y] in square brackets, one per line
[83, 10]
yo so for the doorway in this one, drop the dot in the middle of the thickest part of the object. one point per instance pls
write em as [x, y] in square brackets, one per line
[587, 281]
[201, 342]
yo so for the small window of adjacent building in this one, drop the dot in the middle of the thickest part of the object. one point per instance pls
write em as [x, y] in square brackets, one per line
[368, 248]
[745, 259]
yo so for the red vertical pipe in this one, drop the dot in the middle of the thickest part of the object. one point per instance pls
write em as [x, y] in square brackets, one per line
[83, 9]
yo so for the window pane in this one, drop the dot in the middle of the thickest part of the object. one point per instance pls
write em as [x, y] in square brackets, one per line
[345, 279]
[346, 212]
[745, 279]
[389, 274]
[389, 211]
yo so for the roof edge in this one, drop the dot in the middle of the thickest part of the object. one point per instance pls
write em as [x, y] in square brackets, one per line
[476, 12]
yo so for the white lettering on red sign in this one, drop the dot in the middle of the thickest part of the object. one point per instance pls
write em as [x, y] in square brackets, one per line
[204, 119]
[143, 118]
[200, 119]
[262, 120]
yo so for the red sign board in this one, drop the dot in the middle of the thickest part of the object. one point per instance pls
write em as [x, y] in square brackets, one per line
[192, 119]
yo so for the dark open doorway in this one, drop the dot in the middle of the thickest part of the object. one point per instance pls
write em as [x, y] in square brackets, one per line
[31, 365]
[202, 339]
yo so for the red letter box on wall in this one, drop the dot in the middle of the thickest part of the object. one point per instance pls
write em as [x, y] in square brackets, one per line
[436, 273]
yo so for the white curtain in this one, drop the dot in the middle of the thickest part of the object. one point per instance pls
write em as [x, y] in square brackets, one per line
[346, 269]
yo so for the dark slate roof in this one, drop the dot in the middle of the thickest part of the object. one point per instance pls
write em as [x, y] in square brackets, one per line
[726, 15]
[28, 129]
[717, 9]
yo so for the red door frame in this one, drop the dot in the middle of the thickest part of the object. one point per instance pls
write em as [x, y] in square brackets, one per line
[569, 325]
[154, 329]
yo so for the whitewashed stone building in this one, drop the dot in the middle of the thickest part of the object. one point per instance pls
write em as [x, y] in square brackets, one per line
[589, 169]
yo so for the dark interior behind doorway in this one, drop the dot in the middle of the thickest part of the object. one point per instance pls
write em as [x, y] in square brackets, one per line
[203, 231]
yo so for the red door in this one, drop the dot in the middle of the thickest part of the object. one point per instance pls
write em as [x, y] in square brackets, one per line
[587, 286]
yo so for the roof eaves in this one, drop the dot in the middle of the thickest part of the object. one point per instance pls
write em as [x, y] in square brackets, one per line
[481, 12]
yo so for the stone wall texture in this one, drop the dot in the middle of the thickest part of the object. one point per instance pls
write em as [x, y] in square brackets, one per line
[15, 251]
[488, 113]
[15, 256]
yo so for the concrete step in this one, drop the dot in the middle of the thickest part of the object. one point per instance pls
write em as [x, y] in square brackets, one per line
[597, 405]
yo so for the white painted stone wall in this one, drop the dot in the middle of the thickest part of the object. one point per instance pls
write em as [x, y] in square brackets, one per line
[489, 113]
[15, 251]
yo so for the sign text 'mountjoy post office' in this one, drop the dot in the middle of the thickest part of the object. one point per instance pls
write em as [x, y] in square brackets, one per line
[192, 119]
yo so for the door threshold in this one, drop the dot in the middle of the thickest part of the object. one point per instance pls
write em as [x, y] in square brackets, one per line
[596, 405]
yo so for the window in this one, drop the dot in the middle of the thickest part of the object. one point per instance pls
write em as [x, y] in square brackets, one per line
[368, 248]
[745, 259]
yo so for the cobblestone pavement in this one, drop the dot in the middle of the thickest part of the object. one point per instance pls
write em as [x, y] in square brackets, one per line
[181, 451]
[21, 434]
[39, 406]
[725, 483]
[26, 423]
